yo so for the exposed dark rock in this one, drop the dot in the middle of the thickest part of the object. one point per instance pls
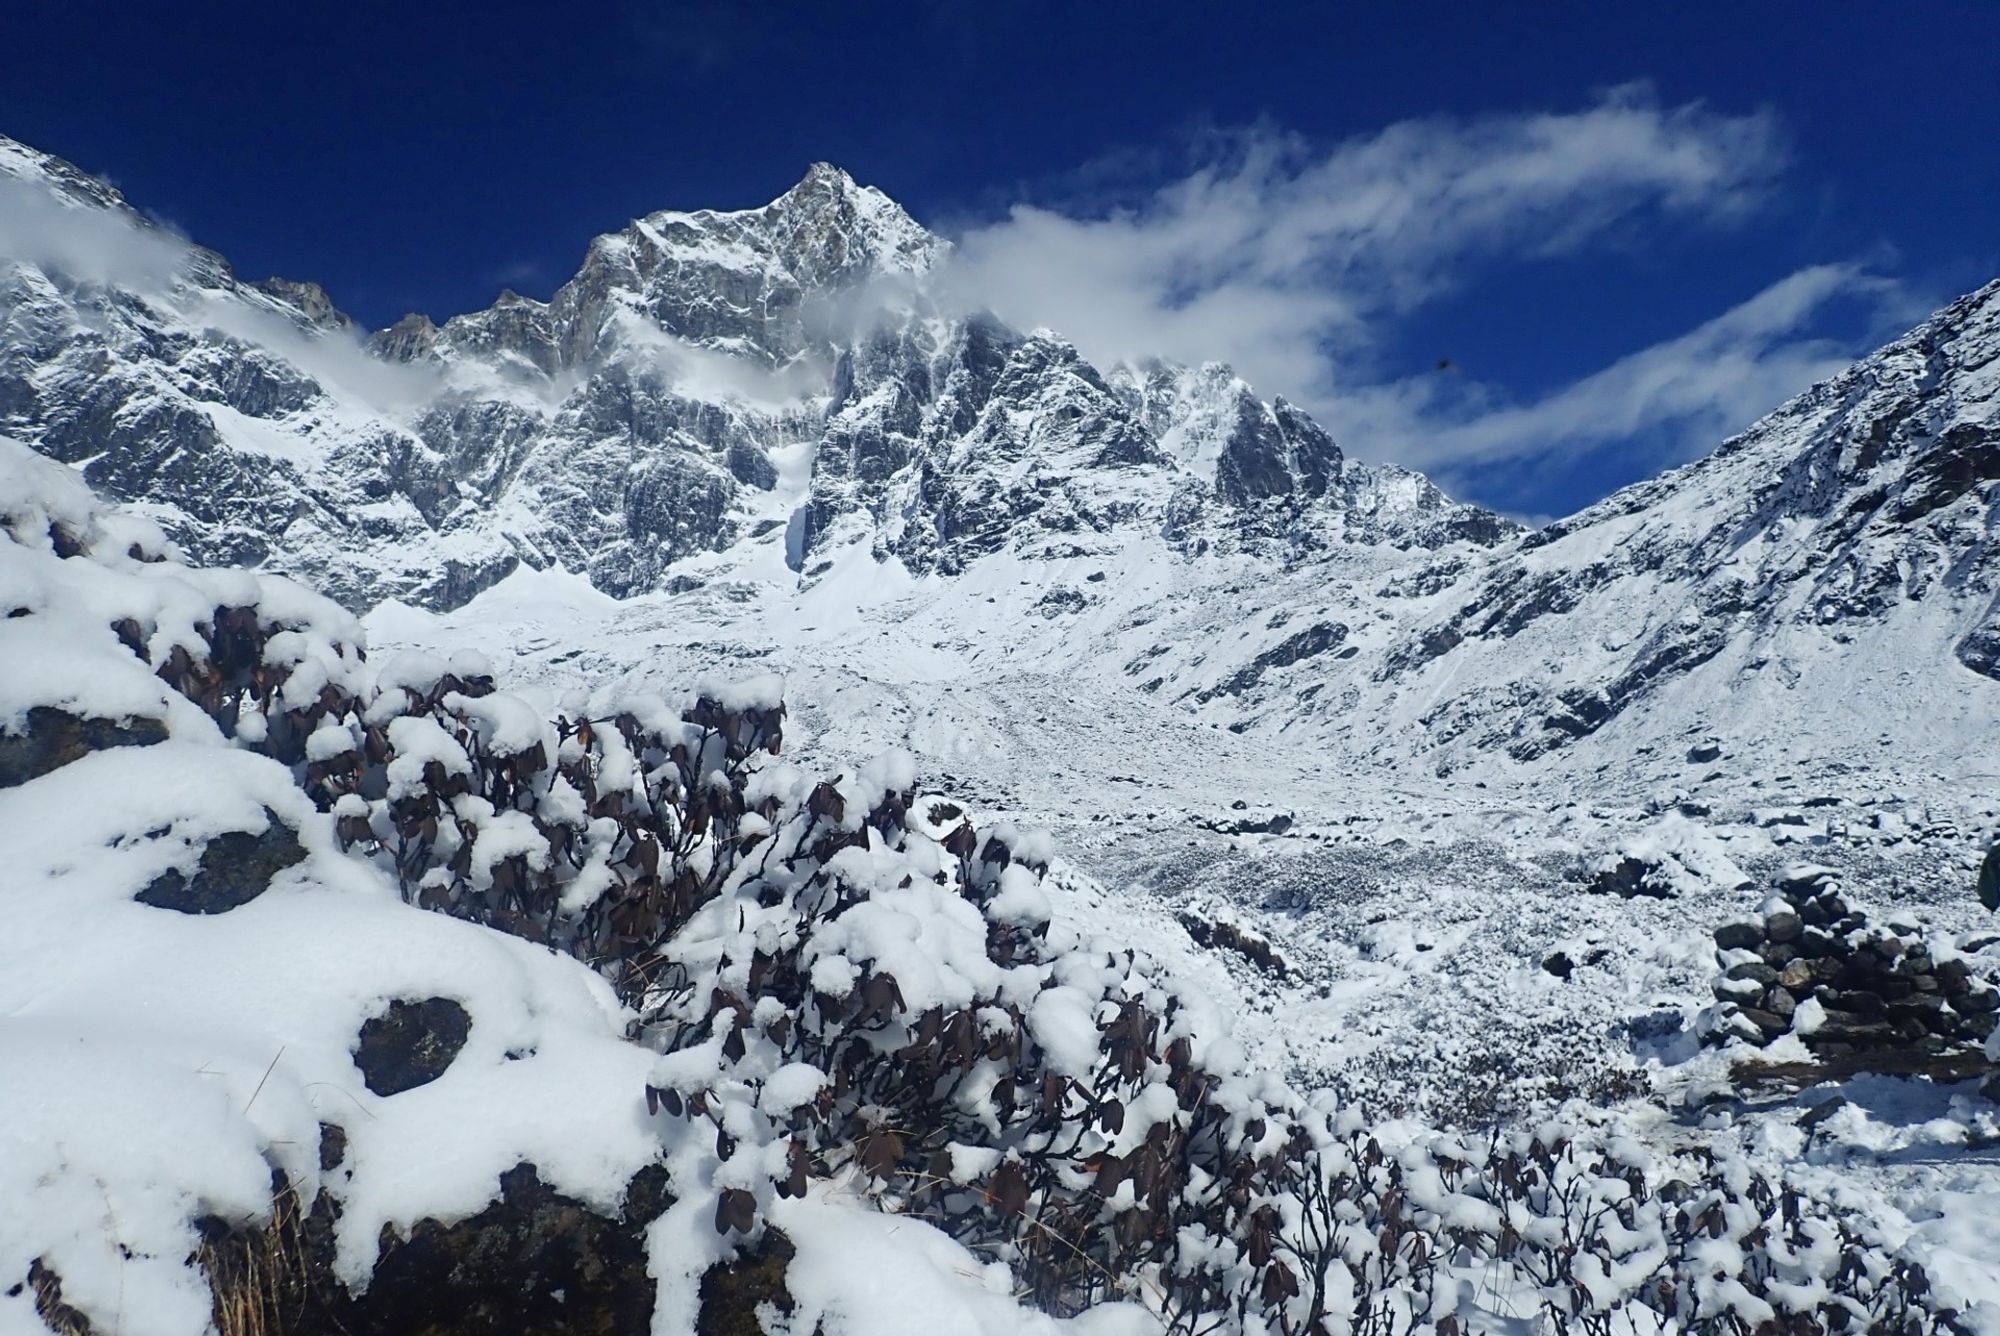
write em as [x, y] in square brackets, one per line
[731, 1295]
[51, 738]
[332, 1146]
[1739, 936]
[235, 868]
[1228, 936]
[1884, 1000]
[410, 1043]
[1766, 1021]
[533, 1263]
[1632, 877]
[1559, 964]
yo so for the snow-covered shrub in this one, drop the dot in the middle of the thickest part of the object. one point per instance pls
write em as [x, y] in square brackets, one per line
[849, 982]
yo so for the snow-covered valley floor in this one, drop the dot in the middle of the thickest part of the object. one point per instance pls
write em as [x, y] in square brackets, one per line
[1439, 952]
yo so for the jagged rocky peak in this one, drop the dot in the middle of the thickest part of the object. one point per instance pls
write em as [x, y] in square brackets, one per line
[743, 281]
[310, 300]
[757, 283]
[638, 418]
[65, 179]
[1212, 425]
[410, 339]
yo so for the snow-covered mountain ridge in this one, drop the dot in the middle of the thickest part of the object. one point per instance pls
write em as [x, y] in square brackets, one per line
[1441, 815]
[705, 379]
[721, 409]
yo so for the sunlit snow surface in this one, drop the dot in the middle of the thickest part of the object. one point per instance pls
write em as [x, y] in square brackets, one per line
[1416, 911]
[157, 1067]
[1242, 728]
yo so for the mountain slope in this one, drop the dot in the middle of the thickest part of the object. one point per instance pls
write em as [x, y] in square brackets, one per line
[705, 377]
[766, 419]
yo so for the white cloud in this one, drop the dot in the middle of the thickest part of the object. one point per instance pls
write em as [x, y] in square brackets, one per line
[93, 244]
[1271, 247]
[1697, 387]
[1294, 265]
[117, 250]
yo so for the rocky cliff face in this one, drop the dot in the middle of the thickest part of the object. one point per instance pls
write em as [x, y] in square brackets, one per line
[1844, 542]
[723, 408]
[704, 379]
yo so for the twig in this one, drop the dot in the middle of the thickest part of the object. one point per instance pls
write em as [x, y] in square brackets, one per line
[267, 1076]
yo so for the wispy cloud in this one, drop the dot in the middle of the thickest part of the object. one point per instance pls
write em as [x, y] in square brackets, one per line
[1295, 265]
[1696, 387]
[116, 250]
[98, 245]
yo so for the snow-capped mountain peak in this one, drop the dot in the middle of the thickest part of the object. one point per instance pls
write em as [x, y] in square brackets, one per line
[706, 378]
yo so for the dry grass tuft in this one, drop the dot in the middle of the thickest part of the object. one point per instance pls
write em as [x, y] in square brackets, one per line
[262, 1279]
[56, 1315]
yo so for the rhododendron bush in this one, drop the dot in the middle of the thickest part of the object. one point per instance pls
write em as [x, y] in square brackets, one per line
[851, 989]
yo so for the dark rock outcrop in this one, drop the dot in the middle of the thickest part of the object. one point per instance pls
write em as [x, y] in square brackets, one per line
[410, 1043]
[731, 1295]
[235, 868]
[533, 1263]
[1631, 877]
[50, 738]
[1861, 995]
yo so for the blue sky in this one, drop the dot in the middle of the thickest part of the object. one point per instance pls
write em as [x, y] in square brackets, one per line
[1628, 229]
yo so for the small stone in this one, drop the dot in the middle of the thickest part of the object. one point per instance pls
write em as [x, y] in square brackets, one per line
[1781, 1004]
[1862, 1004]
[1737, 990]
[1779, 954]
[1908, 1031]
[1755, 970]
[1847, 1029]
[1766, 1021]
[1915, 1009]
[1796, 974]
[1740, 1027]
[1559, 964]
[1783, 925]
[332, 1146]
[1805, 878]
[1739, 935]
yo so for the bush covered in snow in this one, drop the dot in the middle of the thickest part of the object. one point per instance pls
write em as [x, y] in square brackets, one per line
[825, 990]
